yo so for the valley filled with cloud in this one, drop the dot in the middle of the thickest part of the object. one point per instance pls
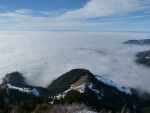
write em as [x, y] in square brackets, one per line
[43, 56]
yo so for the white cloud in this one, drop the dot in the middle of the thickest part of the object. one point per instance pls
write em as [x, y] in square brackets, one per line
[27, 19]
[24, 19]
[43, 56]
[97, 8]
[23, 11]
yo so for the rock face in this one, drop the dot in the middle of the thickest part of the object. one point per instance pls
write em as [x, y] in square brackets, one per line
[143, 58]
[82, 86]
[138, 42]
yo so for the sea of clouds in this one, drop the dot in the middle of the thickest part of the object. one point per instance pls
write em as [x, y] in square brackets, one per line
[43, 56]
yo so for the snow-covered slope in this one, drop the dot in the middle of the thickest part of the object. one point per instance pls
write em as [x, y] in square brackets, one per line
[113, 84]
[85, 111]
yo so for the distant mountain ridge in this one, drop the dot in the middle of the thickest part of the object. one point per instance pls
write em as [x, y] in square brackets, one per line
[143, 58]
[138, 42]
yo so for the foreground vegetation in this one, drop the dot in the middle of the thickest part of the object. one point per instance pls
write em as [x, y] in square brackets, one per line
[46, 108]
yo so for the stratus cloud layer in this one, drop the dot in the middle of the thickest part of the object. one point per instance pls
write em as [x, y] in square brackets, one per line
[43, 56]
[27, 19]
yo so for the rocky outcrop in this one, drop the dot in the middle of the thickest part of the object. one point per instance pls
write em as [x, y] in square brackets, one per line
[143, 58]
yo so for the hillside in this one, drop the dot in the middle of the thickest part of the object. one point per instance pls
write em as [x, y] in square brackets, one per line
[78, 86]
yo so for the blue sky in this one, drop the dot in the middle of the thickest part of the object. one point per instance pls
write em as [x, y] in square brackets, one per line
[45, 5]
[75, 15]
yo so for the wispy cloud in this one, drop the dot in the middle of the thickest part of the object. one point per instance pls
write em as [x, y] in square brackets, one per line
[98, 8]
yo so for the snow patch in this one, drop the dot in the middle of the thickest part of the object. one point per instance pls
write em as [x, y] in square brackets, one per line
[85, 111]
[147, 57]
[26, 90]
[80, 88]
[33, 91]
[99, 93]
[113, 84]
